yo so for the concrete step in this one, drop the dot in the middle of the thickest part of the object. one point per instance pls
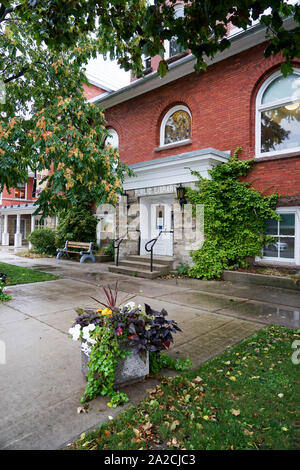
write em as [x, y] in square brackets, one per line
[145, 266]
[165, 260]
[129, 271]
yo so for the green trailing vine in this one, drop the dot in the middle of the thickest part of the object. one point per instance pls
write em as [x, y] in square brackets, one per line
[163, 361]
[234, 218]
[102, 365]
[3, 297]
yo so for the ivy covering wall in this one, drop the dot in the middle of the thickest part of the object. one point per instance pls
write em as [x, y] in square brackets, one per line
[234, 218]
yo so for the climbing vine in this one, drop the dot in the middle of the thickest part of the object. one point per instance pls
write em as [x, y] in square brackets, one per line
[234, 218]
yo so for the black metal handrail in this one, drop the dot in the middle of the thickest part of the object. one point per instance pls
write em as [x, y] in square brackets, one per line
[153, 241]
[117, 246]
[119, 240]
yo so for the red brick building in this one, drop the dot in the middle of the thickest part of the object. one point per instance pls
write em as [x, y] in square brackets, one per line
[164, 127]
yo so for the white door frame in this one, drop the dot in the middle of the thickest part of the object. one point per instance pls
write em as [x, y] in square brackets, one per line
[149, 230]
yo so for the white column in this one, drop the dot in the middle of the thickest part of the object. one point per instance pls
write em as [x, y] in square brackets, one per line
[5, 234]
[18, 235]
[32, 227]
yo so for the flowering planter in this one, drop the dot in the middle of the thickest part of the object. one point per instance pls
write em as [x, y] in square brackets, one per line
[129, 370]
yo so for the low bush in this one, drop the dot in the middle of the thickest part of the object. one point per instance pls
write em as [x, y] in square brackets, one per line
[43, 240]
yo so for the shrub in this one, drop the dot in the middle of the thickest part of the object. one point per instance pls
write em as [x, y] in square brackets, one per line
[183, 269]
[43, 240]
[109, 250]
[77, 224]
[234, 218]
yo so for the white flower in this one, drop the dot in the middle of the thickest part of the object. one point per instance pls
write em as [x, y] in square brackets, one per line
[86, 333]
[85, 348]
[75, 332]
[130, 305]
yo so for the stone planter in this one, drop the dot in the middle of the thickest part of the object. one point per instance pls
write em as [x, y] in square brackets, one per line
[129, 370]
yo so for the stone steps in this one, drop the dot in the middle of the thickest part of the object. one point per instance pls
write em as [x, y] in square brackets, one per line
[139, 266]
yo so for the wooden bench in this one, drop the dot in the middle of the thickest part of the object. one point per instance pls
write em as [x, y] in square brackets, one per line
[81, 245]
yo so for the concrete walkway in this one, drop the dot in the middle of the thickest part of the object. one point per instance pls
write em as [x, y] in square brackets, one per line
[41, 382]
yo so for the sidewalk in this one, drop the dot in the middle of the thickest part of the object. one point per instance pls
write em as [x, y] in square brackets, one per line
[41, 384]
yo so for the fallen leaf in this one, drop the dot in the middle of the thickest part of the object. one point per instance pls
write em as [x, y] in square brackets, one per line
[248, 433]
[197, 380]
[147, 426]
[137, 433]
[232, 378]
[235, 412]
[174, 425]
[81, 409]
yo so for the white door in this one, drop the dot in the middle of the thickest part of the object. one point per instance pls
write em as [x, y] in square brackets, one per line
[156, 217]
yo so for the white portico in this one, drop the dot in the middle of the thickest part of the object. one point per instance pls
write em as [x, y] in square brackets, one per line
[154, 187]
[16, 222]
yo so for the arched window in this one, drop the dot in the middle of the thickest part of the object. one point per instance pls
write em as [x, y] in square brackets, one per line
[278, 115]
[176, 126]
[112, 139]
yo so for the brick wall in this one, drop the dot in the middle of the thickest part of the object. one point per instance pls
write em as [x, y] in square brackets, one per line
[8, 198]
[90, 91]
[222, 103]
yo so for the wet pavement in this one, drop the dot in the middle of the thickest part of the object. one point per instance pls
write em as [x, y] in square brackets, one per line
[41, 382]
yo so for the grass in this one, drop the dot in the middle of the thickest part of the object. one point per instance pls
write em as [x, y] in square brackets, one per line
[20, 275]
[246, 398]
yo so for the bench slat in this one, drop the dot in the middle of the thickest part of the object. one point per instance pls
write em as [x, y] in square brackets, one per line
[78, 245]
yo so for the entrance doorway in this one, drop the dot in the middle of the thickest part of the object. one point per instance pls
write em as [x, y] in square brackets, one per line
[156, 216]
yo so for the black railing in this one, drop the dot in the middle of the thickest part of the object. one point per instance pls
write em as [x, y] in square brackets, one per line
[153, 241]
[117, 242]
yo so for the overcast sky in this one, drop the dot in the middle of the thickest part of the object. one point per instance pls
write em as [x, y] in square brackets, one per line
[107, 72]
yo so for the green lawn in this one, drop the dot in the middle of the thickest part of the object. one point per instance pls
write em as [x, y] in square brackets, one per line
[246, 398]
[20, 275]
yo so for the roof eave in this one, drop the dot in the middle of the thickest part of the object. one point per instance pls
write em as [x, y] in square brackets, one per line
[240, 42]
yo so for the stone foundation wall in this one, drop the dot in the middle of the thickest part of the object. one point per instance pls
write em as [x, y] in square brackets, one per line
[130, 246]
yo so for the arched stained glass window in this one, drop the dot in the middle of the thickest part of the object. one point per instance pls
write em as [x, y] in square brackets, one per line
[278, 115]
[176, 125]
[112, 139]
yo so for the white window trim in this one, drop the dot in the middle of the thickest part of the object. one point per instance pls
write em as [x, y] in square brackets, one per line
[164, 122]
[259, 108]
[292, 261]
[111, 130]
[18, 198]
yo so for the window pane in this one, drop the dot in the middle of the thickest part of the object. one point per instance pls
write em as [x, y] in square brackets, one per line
[286, 247]
[178, 127]
[272, 227]
[271, 249]
[113, 139]
[280, 128]
[281, 88]
[287, 224]
[20, 192]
